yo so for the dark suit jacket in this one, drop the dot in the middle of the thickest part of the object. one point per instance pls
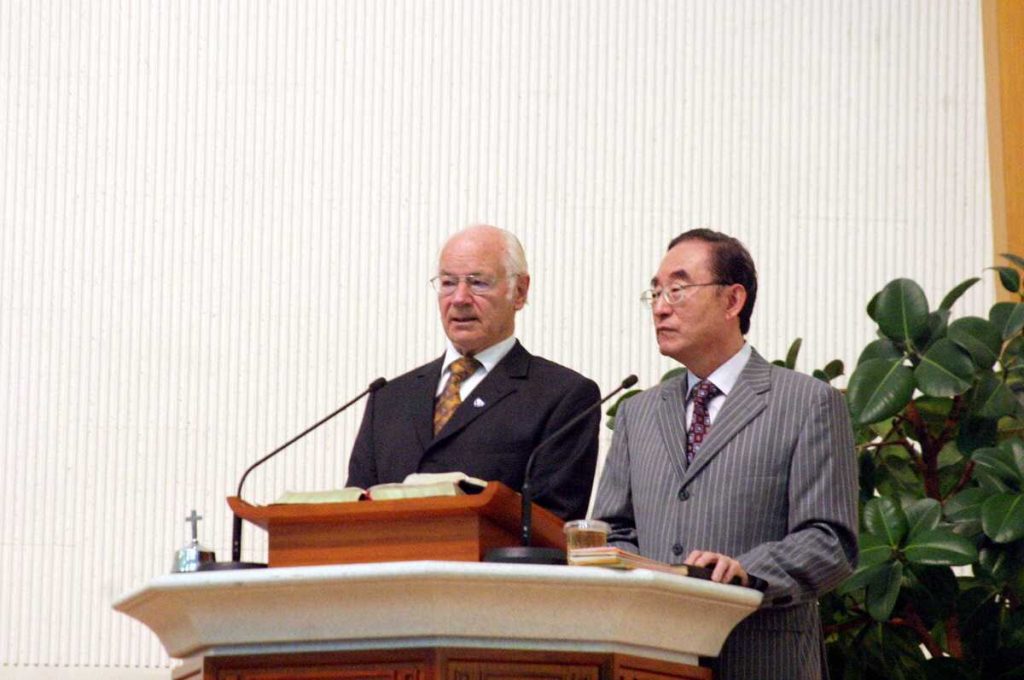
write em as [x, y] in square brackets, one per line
[524, 399]
[773, 485]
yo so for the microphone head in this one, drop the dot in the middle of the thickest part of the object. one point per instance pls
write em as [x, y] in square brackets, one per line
[629, 382]
[377, 384]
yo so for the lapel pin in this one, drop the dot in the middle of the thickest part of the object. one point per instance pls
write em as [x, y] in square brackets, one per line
[478, 403]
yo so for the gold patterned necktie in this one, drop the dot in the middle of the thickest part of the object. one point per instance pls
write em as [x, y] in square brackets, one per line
[461, 368]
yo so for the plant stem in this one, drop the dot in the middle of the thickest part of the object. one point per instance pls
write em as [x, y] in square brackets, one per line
[932, 488]
[965, 478]
[914, 623]
[952, 420]
[930, 448]
[903, 443]
[846, 625]
[956, 649]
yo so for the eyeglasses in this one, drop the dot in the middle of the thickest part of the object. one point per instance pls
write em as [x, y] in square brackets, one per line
[674, 294]
[446, 284]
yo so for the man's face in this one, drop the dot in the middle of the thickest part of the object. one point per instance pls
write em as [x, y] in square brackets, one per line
[474, 322]
[706, 319]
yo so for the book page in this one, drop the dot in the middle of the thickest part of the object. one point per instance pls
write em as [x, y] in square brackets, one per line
[432, 477]
[386, 492]
[346, 495]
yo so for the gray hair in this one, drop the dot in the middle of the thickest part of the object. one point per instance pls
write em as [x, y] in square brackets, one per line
[515, 260]
[513, 257]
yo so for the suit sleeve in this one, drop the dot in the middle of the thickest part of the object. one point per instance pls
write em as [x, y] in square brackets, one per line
[820, 549]
[564, 473]
[362, 464]
[614, 502]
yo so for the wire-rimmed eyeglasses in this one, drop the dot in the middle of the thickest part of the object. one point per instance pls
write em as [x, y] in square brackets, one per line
[447, 284]
[673, 294]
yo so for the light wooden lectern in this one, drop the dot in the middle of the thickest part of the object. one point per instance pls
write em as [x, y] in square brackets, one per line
[449, 617]
[459, 528]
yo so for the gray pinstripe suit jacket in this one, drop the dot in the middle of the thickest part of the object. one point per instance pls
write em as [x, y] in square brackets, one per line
[773, 485]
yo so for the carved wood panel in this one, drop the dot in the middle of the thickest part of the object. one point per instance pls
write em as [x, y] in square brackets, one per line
[440, 664]
[517, 670]
[330, 672]
[650, 669]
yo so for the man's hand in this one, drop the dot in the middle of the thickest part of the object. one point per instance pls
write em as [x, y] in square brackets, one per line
[726, 568]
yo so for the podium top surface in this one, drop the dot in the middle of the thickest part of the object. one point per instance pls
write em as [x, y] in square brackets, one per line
[496, 503]
[366, 606]
[495, 498]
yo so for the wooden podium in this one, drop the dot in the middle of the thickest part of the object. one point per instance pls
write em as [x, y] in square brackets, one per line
[431, 619]
[394, 590]
[456, 528]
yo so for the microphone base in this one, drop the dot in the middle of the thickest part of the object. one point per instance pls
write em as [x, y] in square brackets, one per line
[525, 554]
[229, 566]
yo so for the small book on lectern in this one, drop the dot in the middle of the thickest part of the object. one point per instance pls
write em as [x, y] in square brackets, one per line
[616, 558]
[416, 485]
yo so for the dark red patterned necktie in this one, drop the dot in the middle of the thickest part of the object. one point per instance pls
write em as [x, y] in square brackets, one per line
[702, 393]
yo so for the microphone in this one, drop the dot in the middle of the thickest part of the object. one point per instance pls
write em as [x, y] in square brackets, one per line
[525, 553]
[236, 527]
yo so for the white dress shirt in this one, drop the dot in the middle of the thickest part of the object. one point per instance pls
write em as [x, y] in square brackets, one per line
[488, 359]
[724, 378]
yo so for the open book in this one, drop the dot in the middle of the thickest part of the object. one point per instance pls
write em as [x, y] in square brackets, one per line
[416, 485]
[616, 558]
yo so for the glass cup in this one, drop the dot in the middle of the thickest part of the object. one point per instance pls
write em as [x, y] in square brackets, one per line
[586, 533]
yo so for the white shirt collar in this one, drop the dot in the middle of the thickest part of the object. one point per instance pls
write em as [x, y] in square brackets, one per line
[488, 358]
[725, 376]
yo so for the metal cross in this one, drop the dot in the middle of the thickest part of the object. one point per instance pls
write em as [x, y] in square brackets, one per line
[193, 519]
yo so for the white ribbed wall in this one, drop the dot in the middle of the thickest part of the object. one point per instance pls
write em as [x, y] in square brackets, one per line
[217, 220]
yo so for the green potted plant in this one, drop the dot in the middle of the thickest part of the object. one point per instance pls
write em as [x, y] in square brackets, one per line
[936, 407]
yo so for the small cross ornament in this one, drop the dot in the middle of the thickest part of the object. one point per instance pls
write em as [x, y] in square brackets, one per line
[192, 555]
[193, 519]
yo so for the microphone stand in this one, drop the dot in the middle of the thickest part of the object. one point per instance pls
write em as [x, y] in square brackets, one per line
[527, 553]
[236, 525]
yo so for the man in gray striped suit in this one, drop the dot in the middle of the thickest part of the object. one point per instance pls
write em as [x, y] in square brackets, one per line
[736, 465]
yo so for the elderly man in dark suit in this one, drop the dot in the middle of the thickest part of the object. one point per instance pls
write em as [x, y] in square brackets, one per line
[485, 404]
[736, 465]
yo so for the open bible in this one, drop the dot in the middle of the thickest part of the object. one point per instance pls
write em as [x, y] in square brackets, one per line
[416, 485]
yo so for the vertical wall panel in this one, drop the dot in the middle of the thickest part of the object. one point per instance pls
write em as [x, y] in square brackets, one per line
[217, 221]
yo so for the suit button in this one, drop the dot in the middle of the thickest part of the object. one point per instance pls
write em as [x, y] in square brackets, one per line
[677, 550]
[684, 495]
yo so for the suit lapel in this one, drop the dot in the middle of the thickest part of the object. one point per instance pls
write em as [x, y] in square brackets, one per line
[745, 402]
[498, 384]
[422, 406]
[672, 421]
